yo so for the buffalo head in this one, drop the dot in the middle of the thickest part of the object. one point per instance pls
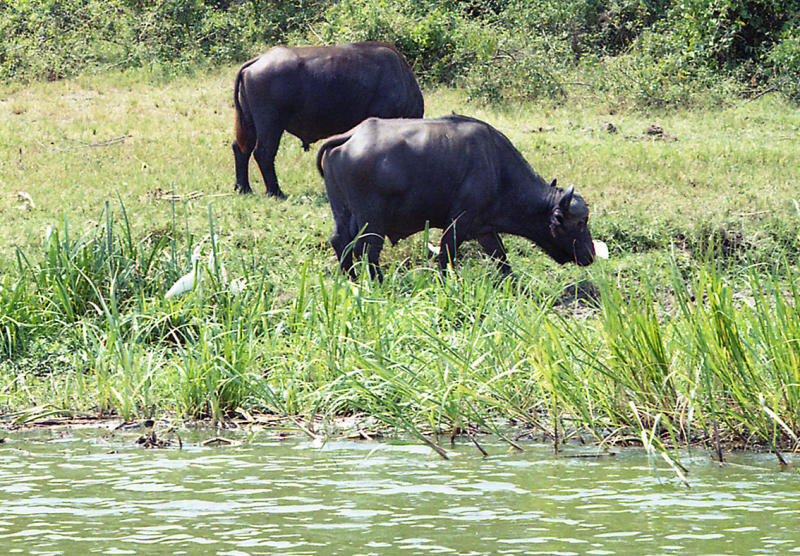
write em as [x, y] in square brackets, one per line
[570, 239]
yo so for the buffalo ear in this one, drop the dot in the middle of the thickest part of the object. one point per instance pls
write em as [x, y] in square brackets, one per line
[566, 199]
[553, 183]
[556, 221]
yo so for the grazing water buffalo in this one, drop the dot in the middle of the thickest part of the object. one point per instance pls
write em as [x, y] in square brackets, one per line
[313, 93]
[388, 178]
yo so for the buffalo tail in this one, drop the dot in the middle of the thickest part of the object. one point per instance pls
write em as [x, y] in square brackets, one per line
[240, 125]
[331, 143]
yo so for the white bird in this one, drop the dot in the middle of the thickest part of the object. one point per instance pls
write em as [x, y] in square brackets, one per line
[192, 279]
[187, 282]
[600, 249]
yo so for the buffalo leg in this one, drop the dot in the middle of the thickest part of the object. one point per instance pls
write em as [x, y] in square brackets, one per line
[448, 248]
[265, 151]
[342, 243]
[345, 227]
[493, 245]
[369, 244]
[242, 161]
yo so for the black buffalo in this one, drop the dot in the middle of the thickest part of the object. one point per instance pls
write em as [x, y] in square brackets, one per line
[315, 92]
[388, 178]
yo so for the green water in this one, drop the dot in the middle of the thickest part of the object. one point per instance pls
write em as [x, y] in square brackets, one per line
[77, 493]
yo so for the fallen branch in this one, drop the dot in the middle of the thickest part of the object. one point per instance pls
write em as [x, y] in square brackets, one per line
[219, 441]
[108, 142]
[764, 92]
[170, 196]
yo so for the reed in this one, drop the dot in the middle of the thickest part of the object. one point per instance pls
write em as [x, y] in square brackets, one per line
[417, 352]
[16, 321]
[687, 336]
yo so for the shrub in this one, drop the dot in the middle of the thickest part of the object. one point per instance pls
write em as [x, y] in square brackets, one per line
[515, 72]
[652, 52]
[655, 74]
[439, 44]
[53, 39]
[587, 26]
[785, 59]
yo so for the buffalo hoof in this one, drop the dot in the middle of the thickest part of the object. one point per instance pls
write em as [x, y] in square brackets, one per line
[277, 194]
[244, 189]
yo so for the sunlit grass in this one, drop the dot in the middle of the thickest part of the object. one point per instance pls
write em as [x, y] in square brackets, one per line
[687, 336]
[676, 360]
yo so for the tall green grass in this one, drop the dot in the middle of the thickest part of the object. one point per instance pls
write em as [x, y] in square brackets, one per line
[687, 336]
[687, 362]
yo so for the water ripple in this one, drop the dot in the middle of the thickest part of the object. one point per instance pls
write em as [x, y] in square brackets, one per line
[71, 495]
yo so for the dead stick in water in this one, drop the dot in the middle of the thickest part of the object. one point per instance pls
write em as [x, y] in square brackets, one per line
[717, 446]
[475, 441]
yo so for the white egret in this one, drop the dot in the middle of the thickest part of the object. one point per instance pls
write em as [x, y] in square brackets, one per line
[190, 281]
[187, 282]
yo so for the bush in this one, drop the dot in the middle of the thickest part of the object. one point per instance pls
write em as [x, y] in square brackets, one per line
[516, 72]
[654, 74]
[653, 52]
[186, 31]
[54, 39]
[785, 59]
[725, 33]
[587, 26]
[440, 45]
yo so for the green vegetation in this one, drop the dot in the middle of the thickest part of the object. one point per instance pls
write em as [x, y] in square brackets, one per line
[688, 335]
[115, 166]
[629, 52]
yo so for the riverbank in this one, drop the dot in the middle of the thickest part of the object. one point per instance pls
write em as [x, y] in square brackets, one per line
[686, 335]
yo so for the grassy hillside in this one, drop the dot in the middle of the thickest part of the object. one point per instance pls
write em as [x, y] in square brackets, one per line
[689, 328]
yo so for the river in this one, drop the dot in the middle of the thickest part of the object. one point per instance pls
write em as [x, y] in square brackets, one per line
[80, 492]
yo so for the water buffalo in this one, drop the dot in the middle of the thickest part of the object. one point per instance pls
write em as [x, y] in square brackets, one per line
[388, 178]
[315, 92]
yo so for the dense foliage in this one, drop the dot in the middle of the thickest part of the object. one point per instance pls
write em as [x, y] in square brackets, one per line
[650, 52]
